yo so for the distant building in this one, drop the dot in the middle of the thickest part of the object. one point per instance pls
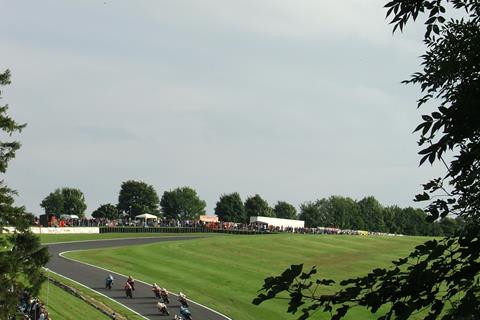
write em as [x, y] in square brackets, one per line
[277, 222]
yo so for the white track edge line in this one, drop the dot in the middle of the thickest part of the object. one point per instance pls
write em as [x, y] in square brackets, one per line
[103, 295]
[61, 254]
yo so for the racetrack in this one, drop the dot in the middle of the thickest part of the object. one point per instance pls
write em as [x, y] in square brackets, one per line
[143, 302]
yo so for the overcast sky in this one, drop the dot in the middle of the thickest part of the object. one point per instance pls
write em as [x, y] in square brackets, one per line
[293, 100]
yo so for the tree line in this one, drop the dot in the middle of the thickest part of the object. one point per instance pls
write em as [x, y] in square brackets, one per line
[138, 197]
[369, 214]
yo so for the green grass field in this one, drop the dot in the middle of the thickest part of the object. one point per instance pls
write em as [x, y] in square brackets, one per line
[62, 305]
[224, 272]
[54, 238]
[99, 299]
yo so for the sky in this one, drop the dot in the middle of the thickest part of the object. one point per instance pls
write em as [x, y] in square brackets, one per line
[292, 100]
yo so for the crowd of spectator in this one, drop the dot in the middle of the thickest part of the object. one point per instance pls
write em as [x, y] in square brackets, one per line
[32, 309]
[164, 222]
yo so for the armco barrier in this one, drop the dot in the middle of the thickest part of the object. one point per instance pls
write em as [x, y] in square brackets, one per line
[176, 230]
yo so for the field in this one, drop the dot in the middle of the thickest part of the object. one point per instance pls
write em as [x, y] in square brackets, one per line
[55, 238]
[62, 305]
[224, 272]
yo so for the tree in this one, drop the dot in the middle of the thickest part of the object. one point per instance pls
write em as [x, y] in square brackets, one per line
[336, 211]
[256, 206]
[107, 211]
[230, 208]
[372, 213]
[53, 203]
[439, 277]
[448, 226]
[65, 201]
[316, 214]
[21, 255]
[137, 197]
[345, 213]
[285, 210]
[390, 215]
[182, 203]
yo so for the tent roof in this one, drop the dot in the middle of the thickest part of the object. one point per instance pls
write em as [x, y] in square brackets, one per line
[69, 216]
[146, 216]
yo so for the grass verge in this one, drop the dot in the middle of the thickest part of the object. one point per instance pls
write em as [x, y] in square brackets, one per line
[57, 301]
[62, 305]
[224, 272]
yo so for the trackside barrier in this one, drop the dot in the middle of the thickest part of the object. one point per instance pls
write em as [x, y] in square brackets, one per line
[90, 301]
[177, 230]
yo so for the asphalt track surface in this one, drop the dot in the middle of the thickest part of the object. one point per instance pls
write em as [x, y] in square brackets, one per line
[143, 302]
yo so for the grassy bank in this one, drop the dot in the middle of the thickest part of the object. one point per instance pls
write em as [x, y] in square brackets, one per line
[91, 295]
[224, 272]
[62, 305]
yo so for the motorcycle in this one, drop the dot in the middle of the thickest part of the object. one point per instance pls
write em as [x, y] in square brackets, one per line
[156, 292]
[162, 308]
[185, 313]
[164, 296]
[131, 282]
[109, 283]
[128, 290]
[183, 300]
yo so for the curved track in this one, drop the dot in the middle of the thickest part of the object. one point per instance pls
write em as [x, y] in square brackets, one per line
[143, 302]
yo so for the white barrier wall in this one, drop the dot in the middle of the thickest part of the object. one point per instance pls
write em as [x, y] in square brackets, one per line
[64, 230]
[277, 222]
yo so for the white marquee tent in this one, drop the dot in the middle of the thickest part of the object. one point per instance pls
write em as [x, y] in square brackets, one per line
[277, 222]
[146, 216]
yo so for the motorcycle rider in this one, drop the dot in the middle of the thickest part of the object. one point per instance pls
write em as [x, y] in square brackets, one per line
[185, 313]
[156, 290]
[182, 298]
[128, 290]
[131, 282]
[164, 295]
[109, 282]
[162, 308]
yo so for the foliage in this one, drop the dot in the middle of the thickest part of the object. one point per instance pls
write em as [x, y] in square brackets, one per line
[107, 211]
[369, 214]
[230, 208]
[440, 277]
[21, 256]
[182, 203]
[65, 201]
[372, 214]
[137, 197]
[316, 214]
[285, 210]
[256, 206]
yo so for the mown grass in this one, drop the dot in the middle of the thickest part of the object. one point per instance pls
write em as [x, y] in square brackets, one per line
[225, 272]
[62, 305]
[54, 238]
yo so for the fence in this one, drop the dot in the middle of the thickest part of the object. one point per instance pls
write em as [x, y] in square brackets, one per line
[177, 230]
